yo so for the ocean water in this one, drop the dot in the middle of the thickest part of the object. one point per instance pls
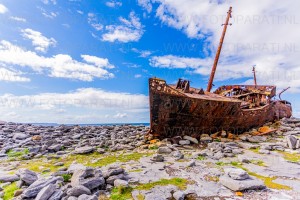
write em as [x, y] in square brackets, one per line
[109, 124]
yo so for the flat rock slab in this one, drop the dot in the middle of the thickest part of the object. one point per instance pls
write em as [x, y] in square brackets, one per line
[157, 193]
[236, 185]
[84, 150]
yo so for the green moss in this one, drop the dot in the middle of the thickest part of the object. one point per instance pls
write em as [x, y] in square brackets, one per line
[17, 154]
[256, 150]
[234, 163]
[291, 156]
[220, 163]
[91, 160]
[136, 170]
[201, 158]
[155, 147]
[179, 182]
[140, 197]
[124, 193]
[9, 191]
[258, 162]
[121, 193]
[267, 180]
[67, 177]
[211, 178]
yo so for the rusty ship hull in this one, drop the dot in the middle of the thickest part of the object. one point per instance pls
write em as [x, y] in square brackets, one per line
[178, 110]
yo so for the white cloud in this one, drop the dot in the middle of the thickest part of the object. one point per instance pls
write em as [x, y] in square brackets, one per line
[146, 4]
[137, 76]
[40, 42]
[143, 53]
[61, 65]
[54, 2]
[12, 76]
[263, 33]
[93, 21]
[85, 105]
[130, 30]
[19, 19]
[120, 115]
[47, 14]
[177, 62]
[80, 12]
[3, 9]
[113, 4]
[99, 62]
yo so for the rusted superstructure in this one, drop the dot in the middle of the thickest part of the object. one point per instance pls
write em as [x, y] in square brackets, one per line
[183, 110]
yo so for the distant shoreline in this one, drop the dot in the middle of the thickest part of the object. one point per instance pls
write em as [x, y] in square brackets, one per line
[100, 124]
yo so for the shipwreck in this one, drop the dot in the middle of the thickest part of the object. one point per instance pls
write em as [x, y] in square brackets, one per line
[180, 109]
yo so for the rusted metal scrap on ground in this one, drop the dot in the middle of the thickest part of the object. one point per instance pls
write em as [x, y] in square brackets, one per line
[183, 110]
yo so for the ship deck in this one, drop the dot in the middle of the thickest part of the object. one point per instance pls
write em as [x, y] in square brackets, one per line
[193, 93]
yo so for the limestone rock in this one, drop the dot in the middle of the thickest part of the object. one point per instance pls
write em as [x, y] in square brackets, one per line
[8, 178]
[38, 185]
[87, 197]
[46, 192]
[158, 158]
[84, 150]
[164, 150]
[78, 190]
[120, 182]
[193, 140]
[291, 141]
[238, 185]
[27, 176]
[184, 142]
[236, 173]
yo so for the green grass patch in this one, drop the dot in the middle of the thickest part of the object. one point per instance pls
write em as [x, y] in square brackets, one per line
[9, 191]
[258, 162]
[91, 160]
[155, 147]
[17, 154]
[267, 180]
[136, 170]
[256, 150]
[67, 177]
[234, 163]
[201, 158]
[179, 182]
[220, 163]
[293, 157]
[124, 193]
[121, 193]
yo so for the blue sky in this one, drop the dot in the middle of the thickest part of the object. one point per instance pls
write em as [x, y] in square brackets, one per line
[88, 61]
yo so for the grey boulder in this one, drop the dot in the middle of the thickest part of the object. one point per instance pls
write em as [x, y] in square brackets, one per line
[84, 150]
[236, 173]
[89, 178]
[38, 185]
[27, 176]
[238, 185]
[193, 140]
[46, 192]
[291, 141]
[164, 150]
[78, 190]
[57, 195]
[87, 197]
[8, 178]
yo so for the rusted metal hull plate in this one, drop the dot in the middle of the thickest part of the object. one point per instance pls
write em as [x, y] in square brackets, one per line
[173, 113]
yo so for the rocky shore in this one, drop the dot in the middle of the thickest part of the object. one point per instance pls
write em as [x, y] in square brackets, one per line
[123, 162]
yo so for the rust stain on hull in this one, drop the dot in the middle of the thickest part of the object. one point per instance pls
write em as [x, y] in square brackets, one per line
[182, 110]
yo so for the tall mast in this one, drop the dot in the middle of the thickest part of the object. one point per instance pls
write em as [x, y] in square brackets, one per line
[214, 68]
[254, 74]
